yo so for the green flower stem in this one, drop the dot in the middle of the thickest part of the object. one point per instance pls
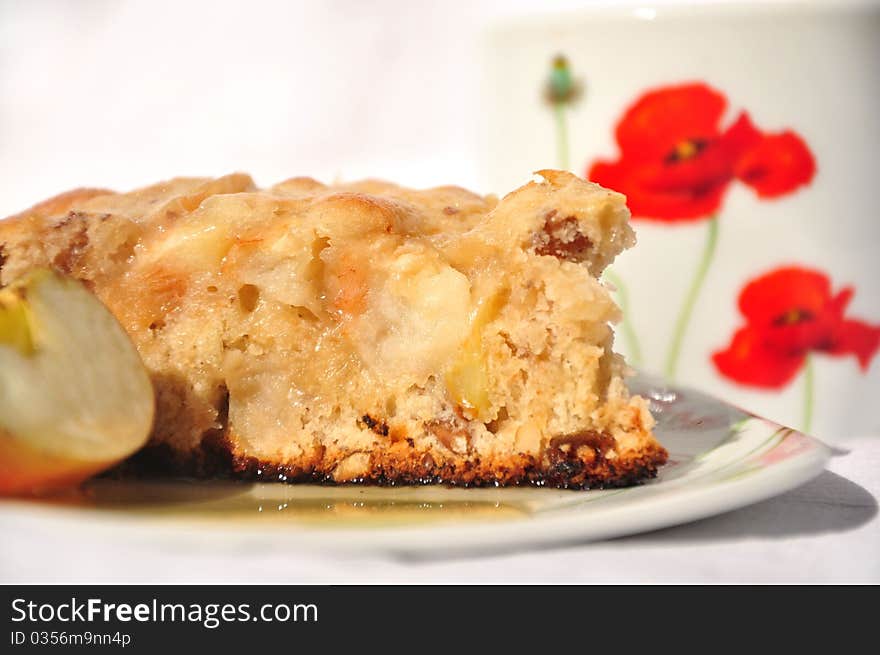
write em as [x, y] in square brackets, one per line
[687, 309]
[629, 334]
[809, 382]
[562, 156]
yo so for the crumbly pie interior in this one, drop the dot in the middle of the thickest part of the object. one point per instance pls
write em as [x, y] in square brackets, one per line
[363, 332]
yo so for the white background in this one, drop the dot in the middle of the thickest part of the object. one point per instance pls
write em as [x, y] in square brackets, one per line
[122, 94]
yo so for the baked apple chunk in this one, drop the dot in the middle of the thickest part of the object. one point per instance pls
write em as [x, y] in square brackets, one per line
[363, 332]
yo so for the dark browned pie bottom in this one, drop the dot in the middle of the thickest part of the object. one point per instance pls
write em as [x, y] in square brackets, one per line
[585, 468]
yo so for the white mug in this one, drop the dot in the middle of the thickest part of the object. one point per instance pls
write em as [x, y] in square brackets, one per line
[746, 140]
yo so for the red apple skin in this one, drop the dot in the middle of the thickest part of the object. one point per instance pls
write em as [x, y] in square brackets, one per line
[25, 471]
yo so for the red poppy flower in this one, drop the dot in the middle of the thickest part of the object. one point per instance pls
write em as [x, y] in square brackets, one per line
[790, 312]
[676, 161]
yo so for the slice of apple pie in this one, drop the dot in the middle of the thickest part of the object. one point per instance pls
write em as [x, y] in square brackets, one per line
[363, 332]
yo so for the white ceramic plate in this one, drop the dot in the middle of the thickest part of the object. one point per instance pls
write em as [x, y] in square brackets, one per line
[720, 459]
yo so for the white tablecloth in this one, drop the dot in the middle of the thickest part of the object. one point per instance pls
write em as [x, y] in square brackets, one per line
[824, 532]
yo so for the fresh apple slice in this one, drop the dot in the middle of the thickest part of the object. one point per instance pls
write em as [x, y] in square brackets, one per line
[75, 397]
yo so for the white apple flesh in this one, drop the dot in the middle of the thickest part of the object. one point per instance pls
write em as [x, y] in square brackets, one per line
[75, 397]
